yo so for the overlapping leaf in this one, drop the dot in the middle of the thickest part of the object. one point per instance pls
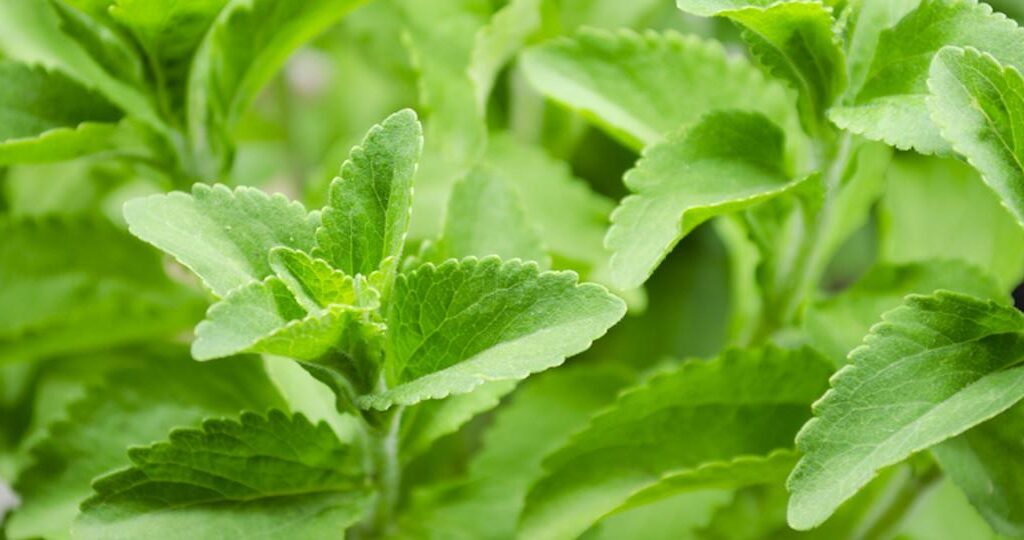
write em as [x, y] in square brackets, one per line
[890, 105]
[302, 312]
[223, 236]
[794, 40]
[640, 87]
[700, 425]
[978, 105]
[728, 161]
[935, 367]
[245, 46]
[135, 406]
[367, 216]
[455, 326]
[275, 473]
[47, 116]
[940, 208]
[983, 462]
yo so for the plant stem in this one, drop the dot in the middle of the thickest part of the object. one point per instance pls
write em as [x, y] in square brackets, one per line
[387, 470]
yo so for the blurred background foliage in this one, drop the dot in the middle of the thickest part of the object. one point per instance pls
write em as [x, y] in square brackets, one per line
[80, 299]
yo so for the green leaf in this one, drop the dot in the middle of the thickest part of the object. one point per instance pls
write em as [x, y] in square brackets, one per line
[838, 324]
[486, 217]
[47, 116]
[486, 502]
[727, 162]
[978, 105]
[867, 19]
[369, 204]
[793, 40]
[301, 313]
[630, 83]
[703, 424]
[940, 208]
[80, 285]
[134, 406]
[497, 42]
[944, 512]
[222, 235]
[169, 32]
[985, 463]
[934, 367]
[251, 476]
[456, 128]
[455, 326]
[570, 217]
[108, 48]
[247, 44]
[890, 105]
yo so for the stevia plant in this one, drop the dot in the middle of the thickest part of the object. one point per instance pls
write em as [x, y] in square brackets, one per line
[805, 282]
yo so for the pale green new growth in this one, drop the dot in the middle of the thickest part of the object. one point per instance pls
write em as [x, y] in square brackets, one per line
[640, 87]
[222, 235]
[795, 41]
[456, 326]
[250, 477]
[727, 162]
[700, 425]
[978, 105]
[368, 210]
[934, 367]
[891, 105]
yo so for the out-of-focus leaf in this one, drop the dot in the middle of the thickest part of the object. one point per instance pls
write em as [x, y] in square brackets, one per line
[277, 473]
[136, 406]
[939, 208]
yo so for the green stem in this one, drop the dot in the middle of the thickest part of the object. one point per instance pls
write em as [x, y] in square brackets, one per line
[387, 470]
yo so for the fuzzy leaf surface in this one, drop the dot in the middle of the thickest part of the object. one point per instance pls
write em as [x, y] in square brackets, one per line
[455, 326]
[369, 204]
[222, 235]
[935, 367]
[249, 476]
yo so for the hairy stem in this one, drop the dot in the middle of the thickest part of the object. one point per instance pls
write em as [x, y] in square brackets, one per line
[387, 470]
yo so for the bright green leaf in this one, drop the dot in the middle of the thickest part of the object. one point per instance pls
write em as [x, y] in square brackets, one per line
[793, 40]
[455, 326]
[728, 162]
[222, 235]
[890, 105]
[301, 314]
[699, 425]
[250, 477]
[135, 406]
[369, 204]
[641, 87]
[978, 105]
[934, 367]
